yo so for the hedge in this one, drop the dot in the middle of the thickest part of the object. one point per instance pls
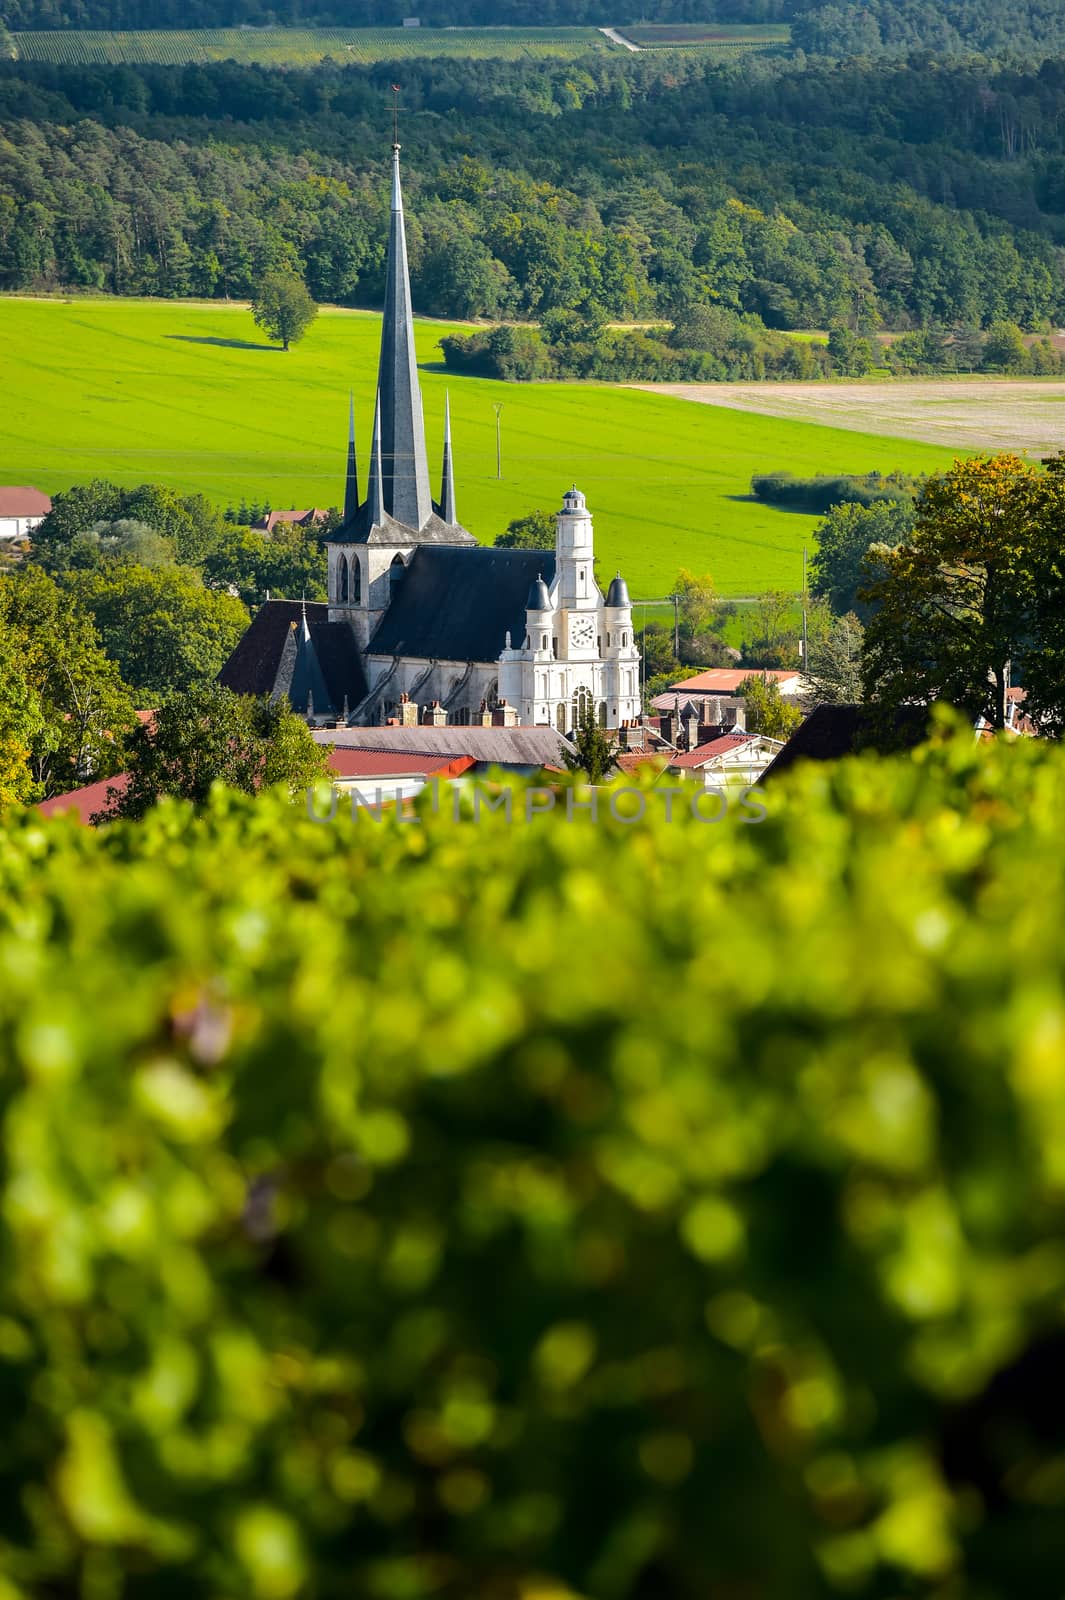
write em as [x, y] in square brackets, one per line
[634, 1211]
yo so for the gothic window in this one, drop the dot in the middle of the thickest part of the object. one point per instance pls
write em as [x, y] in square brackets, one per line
[356, 581]
[560, 717]
[582, 705]
[342, 581]
[395, 573]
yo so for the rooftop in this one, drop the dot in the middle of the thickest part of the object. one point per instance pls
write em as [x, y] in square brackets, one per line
[22, 500]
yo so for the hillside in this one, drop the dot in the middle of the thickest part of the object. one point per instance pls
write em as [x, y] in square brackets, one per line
[190, 396]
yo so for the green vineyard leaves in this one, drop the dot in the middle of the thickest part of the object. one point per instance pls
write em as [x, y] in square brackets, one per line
[454, 1209]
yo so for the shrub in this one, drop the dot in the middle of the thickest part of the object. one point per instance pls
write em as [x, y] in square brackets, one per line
[454, 1211]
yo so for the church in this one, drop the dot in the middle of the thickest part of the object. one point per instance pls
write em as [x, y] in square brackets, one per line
[423, 624]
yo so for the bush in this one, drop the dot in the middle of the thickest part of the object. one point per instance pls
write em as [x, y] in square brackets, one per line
[456, 1211]
[819, 495]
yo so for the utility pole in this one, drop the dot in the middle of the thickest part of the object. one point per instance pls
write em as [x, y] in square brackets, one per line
[676, 626]
[805, 640]
[497, 408]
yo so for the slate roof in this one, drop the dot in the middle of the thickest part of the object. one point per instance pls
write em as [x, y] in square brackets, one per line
[831, 732]
[364, 529]
[528, 748]
[264, 660]
[459, 604]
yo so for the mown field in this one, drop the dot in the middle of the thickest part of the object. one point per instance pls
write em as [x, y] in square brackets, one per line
[191, 395]
[726, 38]
[302, 46]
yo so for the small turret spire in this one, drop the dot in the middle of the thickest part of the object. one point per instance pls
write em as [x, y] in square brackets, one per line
[351, 481]
[447, 483]
[375, 493]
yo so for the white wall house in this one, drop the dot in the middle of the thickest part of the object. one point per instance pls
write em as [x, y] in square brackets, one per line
[21, 510]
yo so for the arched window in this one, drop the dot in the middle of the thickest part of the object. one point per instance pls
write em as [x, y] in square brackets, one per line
[560, 717]
[602, 713]
[582, 706]
[356, 581]
[395, 573]
[342, 581]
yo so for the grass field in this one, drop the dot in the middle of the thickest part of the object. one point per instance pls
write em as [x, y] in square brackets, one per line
[190, 395]
[302, 46]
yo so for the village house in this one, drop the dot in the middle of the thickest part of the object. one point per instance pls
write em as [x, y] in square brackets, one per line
[22, 508]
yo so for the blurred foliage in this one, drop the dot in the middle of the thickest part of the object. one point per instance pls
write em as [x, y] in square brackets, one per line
[363, 1236]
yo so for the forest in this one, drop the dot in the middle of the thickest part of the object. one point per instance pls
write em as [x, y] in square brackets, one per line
[802, 194]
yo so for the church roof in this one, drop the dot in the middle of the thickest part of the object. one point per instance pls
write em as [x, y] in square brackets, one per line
[362, 529]
[265, 659]
[458, 604]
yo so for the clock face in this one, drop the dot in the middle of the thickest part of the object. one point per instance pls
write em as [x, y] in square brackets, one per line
[582, 632]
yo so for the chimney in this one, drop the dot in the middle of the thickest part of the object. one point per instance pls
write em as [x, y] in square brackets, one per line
[408, 712]
[434, 715]
[504, 716]
[484, 716]
[691, 730]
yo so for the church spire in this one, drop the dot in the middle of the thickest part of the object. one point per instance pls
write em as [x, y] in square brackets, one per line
[447, 482]
[405, 481]
[375, 492]
[351, 481]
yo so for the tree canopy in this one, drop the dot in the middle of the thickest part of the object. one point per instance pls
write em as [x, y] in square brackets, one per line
[283, 307]
[209, 735]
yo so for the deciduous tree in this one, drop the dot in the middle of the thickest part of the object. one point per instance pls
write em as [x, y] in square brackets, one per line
[209, 735]
[956, 603]
[283, 307]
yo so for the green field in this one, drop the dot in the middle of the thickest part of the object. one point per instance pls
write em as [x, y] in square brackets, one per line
[302, 46]
[189, 395]
[725, 38]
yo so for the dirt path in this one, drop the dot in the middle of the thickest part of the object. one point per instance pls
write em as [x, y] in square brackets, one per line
[617, 38]
[1023, 415]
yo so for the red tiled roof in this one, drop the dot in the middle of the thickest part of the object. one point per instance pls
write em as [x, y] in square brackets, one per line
[268, 523]
[630, 760]
[23, 501]
[345, 763]
[726, 680]
[713, 748]
[85, 801]
[348, 763]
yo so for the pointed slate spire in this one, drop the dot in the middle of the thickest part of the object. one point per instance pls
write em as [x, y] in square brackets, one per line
[351, 482]
[405, 484]
[375, 492]
[308, 687]
[447, 482]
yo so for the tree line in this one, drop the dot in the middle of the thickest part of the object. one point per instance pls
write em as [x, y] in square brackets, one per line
[800, 197]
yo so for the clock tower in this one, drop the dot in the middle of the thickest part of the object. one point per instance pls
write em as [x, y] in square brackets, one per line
[579, 653]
